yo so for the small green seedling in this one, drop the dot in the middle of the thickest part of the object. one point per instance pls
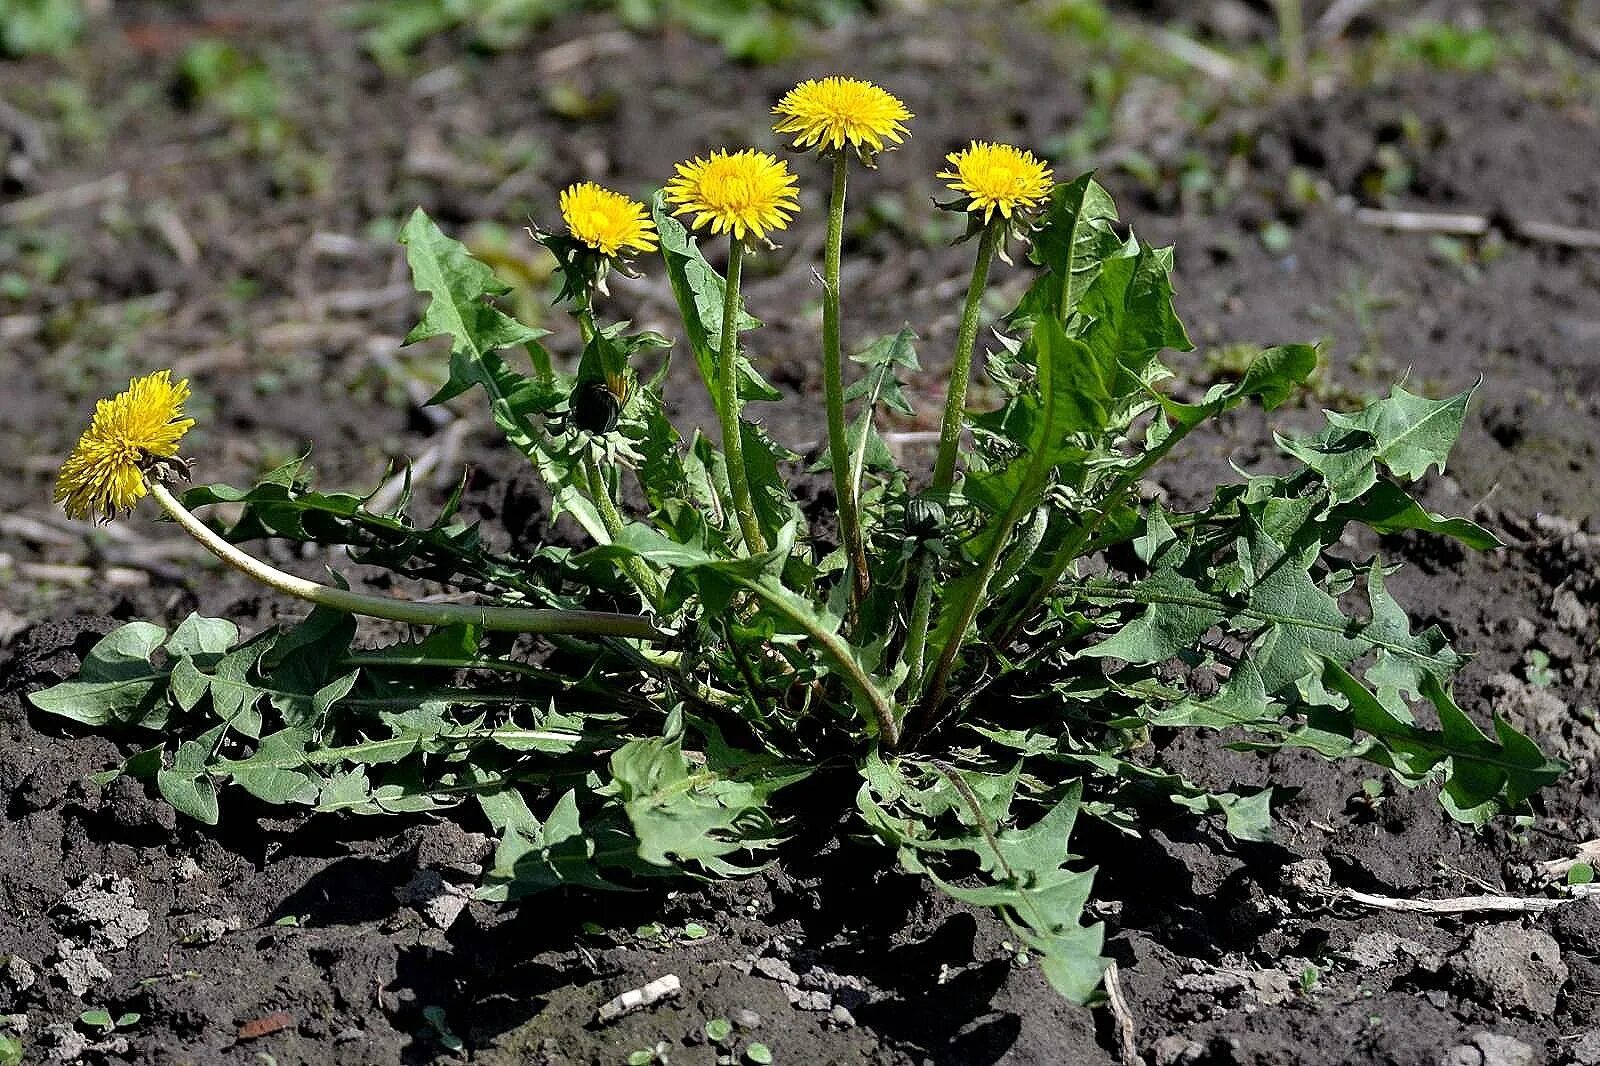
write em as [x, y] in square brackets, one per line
[758, 1054]
[101, 1019]
[1582, 873]
[660, 1055]
[10, 1049]
[1540, 674]
[718, 1030]
[436, 1020]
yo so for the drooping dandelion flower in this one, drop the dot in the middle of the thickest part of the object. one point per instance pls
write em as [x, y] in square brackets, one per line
[997, 177]
[832, 112]
[746, 193]
[129, 435]
[609, 222]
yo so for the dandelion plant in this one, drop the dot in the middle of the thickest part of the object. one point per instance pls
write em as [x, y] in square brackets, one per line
[991, 640]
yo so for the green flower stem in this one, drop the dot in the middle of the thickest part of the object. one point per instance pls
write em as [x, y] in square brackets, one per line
[844, 486]
[939, 679]
[944, 468]
[504, 619]
[729, 407]
[1073, 547]
[637, 570]
[955, 402]
[839, 652]
[1292, 41]
[916, 649]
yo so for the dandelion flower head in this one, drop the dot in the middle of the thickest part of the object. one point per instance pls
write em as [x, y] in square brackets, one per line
[609, 222]
[997, 177]
[105, 474]
[830, 113]
[745, 193]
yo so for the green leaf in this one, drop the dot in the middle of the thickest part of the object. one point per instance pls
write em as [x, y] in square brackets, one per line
[117, 685]
[1276, 373]
[1404, 433]
[305, 660]
[197, 636]
[1073, 396]
[1025, 870]
[1481, 776]
[1178, 616]
[681, 815]
[187, 784]
[1410, 432]
[271, 774]
[460, 287]
[1073, 239]
[1388, 508]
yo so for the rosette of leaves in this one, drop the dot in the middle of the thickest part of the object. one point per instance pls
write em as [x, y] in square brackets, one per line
[1074, 618]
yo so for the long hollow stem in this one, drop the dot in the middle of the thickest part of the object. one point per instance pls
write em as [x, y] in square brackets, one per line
[939, 678]
[728, 405]
[844, 485]
[637, 571]
[1070, 549]
[944, 468]
[836, 649]
[1292, 41]
[916, 650]
[504, 619]
[955, 401]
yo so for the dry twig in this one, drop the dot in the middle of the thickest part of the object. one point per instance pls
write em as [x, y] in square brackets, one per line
[90, 193]
[1468, 225]
[1469, 904]
[1118, 1005]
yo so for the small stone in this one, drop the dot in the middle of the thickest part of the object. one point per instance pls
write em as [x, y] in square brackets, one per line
[79, 968]
[445, 844]
[1500, 1050]
[777, 970]
[1570, 612]
[439, 901]
[1176, 1051]
[841, 1017]
[350, 1035]
[105, 906]
[63, 1043]
[800, 999]
[1513, 968]
[198, 932]
[1462, 1055]
[18, 973]
[187, 869]
[1371, 951]
[745, 1018]
[1308, 877]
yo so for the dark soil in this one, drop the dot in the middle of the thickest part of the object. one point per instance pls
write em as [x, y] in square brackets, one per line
[263, 270]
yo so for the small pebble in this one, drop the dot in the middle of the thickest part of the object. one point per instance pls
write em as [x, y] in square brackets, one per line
[745, 1018]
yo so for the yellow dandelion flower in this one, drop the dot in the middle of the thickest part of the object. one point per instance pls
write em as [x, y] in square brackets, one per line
[607, 221]
[997, 176]
[105, 474]
[747, 192]
[833, 112]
